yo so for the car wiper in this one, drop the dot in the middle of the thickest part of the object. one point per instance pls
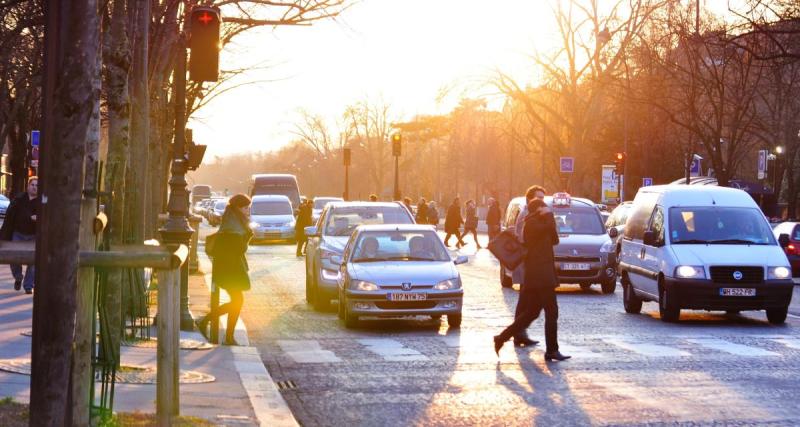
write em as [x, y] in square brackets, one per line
[691, 241]
[734, 242]
[370, 259]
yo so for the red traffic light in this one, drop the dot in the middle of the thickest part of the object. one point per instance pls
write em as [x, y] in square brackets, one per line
[205, 18]
[204, 27]
[620, 156]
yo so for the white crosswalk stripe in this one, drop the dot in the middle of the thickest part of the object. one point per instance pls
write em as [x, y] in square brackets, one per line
[307, 351]
[732, 348]
[647, 349]
[392, 350]
[789, 342]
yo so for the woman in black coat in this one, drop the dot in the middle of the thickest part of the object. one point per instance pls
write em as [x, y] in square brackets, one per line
[539, 290]
[452, 223]
[229, 263]
[471, 222]
[422, 211]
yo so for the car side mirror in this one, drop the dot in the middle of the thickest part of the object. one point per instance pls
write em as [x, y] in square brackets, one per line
[783, 240]
[461, 259]
[336, 260]
[311, 231]
[649, 238]
[613, 232]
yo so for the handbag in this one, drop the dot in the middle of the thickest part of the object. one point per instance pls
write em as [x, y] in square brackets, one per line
[508, 250]
[211, 242]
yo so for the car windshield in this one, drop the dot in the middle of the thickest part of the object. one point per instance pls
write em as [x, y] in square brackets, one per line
[343, 220]
[719, 225]
[220, 205]
[375, 246]
[271, 208]
[321, 202]
[578, 221]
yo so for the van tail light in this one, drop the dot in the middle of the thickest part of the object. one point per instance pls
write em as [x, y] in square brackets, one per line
[791, 249]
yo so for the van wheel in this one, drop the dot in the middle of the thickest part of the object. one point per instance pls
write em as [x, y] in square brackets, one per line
[309, 291]
[667, 308]
[777, 316]
[454, 320]
[505, 281]
[586, 286]
[632, 303]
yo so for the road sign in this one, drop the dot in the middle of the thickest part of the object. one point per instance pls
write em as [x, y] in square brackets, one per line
[646, 182]
[696, 168]
[567, 164]
[762, 164]
[34, 138]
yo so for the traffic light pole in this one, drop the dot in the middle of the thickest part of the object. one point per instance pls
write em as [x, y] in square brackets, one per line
[176, 231]
[396, 177]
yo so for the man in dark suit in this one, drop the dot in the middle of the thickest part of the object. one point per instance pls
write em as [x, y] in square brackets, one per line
[20, 225]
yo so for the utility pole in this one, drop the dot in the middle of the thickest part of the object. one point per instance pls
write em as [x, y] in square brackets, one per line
[396, 150]
[346, 153]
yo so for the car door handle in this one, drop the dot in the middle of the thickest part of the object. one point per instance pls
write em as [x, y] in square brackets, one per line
[641, 253]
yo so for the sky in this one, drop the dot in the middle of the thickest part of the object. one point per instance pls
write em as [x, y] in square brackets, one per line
[404, 52]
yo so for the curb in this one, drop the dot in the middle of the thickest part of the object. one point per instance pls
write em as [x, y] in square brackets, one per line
[266, 400]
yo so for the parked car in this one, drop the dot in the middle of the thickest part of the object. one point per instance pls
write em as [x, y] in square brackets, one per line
[272, 218]
[617, 221]
[4, 202]
[792, 247]
[585, 253]
[329, 236]
[319, 205]
[702, 247]
[398, 270]
[216, 211]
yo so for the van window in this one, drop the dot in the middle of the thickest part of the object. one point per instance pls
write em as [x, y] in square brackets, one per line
[637, 221]
[657, 225]
[719, 225]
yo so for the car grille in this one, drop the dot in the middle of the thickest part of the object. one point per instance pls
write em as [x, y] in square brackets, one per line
[577, 259]
[405, 305]
[577, 273]
[413, 287]
[724, 274]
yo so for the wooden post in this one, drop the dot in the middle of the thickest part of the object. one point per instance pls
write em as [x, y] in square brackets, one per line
[168, 366]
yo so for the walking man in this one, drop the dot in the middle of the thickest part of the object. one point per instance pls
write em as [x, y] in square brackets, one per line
[303, 220]
[471, 222]
[20, 225]
[452, 223]
[493, 218]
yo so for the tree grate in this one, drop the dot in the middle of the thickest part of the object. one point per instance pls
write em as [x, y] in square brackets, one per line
[286, 385]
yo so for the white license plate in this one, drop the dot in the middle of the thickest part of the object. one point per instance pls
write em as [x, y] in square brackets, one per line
[737, 292]
[407, 297]
[575, 266]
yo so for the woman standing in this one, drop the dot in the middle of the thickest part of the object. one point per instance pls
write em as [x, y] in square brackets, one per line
[539, 289]
[471, 223]
[229, 264]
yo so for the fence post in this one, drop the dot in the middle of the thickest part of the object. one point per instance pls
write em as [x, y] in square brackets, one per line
[167, 389]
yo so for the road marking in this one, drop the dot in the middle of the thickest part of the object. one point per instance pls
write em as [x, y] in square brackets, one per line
[789, 342]
[646, 349]
[391, 350]
[732, 348]
[307, 351]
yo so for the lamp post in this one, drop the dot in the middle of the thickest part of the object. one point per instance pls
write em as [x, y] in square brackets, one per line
[396, 141]
[346, 155]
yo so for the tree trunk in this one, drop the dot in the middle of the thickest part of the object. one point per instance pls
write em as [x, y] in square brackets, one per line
[72, 94]
[140, 122]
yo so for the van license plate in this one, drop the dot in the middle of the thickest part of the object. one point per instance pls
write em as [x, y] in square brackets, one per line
[407, 297]
[575, 266]
[737, 292]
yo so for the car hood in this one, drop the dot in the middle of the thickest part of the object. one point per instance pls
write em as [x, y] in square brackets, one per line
[335, 243]
[734, 255]
[397, 272]
[272, 219]
[583, 244]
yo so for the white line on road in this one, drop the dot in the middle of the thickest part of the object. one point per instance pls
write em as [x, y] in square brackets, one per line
[646, 349]
[307, 351]
[789, 342]
[732, 348]
[391, 350]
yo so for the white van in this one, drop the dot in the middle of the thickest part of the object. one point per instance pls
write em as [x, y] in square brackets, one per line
[702, 247]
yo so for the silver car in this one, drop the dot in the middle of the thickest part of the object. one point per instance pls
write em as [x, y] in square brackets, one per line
[328, 237]
[398, 270]
[319, 205]
[271, 218]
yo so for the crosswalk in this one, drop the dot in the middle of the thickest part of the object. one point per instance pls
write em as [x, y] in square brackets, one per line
[477, 348]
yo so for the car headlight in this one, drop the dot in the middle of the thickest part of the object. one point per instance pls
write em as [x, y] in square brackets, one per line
[447, 284]
[607, 247]
[289, 224]
[690, 272]
[780, 273]
[254, 225]
[363, 285]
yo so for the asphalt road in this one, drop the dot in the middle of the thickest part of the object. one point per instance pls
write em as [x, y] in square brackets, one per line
[627, 369]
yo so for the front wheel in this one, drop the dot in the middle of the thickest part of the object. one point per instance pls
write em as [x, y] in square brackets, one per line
[505, 281]
[667, 308]
[454, 320]
[310, 291]
[777, 316]
[350, 320]
[609, 287]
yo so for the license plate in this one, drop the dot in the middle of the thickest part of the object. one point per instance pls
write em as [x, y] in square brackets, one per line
[407, 297]
[575, 266]
[737, 292]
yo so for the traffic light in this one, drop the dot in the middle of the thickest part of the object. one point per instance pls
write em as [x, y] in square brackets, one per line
[396, 141]
[619, 167]
[204, 44]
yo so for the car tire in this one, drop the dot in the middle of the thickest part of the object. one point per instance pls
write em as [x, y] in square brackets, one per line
[667, 308]
[350, 320]
[609, 287]
[505, 281]
[341, 306]
[777, 316]
[454, 320]
[585, 287]
[321, 302]
[310, 287]
[630, 301]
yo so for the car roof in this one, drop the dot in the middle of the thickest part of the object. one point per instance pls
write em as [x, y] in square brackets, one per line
[395, 227]
[333, 205]
[270, 198]
[698, 195]
[328, 198]
[549, 200]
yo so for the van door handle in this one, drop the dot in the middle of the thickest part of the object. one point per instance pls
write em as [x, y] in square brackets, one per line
[641, 253]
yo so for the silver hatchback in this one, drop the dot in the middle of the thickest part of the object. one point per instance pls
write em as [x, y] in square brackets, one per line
[398, 270]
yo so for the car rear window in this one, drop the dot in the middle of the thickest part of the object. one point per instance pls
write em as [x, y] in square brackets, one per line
[343, 220]
[578, 221]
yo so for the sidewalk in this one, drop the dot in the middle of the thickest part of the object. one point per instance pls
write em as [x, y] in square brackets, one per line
[242, 392]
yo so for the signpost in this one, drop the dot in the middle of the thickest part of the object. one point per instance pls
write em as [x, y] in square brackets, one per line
[695, 169]
[609, 193]
[762, 164]
[567, 164]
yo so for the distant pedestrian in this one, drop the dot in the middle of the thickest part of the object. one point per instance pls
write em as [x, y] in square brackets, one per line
[229, 269]
[452, 223]
[471, 222]
[373, 197]
[433, 214]
[539, 291]
[407, 204]
[20, 226]
[493, 218]
[422, 211]
[304, 214]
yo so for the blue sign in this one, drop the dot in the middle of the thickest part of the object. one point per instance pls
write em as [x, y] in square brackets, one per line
[695, 168]
[567, 164]
[34, 138]
[646, 182]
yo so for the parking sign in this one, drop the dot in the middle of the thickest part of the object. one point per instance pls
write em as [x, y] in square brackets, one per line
[762, 164]
[34, 138]
[567, 164]
[646, 182]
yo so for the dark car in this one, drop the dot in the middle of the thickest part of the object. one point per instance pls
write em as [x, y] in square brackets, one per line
[792, 229]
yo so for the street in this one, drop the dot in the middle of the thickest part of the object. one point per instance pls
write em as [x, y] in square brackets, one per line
[626, 369]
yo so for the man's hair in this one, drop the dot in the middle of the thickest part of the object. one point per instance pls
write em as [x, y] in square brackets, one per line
[531, 193]
[34, 177]
[535, 204]
[373, 197]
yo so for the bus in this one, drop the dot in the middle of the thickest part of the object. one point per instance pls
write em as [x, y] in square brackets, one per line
[200, 192]
[275, 184]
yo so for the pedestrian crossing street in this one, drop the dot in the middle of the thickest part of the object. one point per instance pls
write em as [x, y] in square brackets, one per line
[477, 348]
